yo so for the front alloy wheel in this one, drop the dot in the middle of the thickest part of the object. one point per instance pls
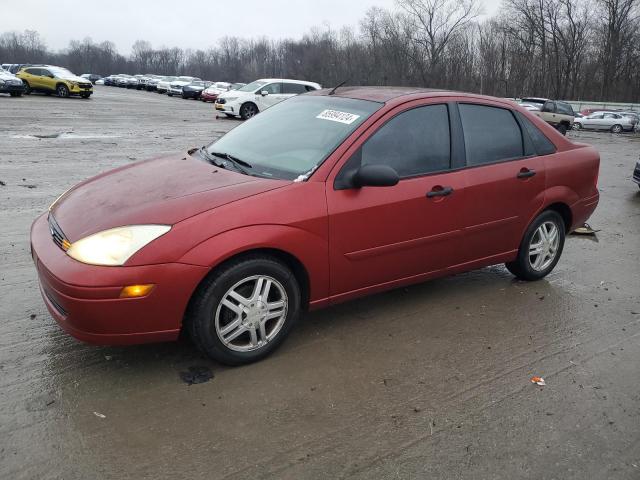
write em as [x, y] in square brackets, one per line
[251, 313]
[62, 91]
[244, 309]
[248, 110]
[616, 129]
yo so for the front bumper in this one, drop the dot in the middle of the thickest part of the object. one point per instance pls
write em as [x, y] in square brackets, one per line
[209, 97]
[225, 108]
[84, 299]
[12, 88]
[174, 91]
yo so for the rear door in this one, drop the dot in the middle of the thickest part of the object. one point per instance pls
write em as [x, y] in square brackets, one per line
[505, 181]
[378, 235]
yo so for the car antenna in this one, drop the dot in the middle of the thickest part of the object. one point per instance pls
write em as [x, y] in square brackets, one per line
[333, 91]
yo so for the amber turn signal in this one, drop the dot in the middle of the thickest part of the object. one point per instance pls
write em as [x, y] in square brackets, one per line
[133, 291]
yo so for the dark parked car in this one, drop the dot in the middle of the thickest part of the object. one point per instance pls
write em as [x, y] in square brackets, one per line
[322, 198]
[92, 77]
[10, 84]
[636, 173]
[194, 89]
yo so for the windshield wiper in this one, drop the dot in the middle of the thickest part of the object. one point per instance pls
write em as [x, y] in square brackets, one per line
[239, 164]
[203, 151]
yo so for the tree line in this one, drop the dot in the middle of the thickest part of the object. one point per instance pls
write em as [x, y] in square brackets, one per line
[568, 49]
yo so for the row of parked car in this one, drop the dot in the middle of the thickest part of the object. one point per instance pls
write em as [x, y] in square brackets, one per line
[562, 116]
[232, 99]
[49, 79]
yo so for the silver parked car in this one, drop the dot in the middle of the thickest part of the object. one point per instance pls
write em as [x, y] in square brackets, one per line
[614, 122]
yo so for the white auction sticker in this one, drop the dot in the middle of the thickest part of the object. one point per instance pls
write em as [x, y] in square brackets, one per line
[336, 116]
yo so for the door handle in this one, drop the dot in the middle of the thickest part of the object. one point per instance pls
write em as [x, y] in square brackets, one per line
[526, 173]
[440, 192]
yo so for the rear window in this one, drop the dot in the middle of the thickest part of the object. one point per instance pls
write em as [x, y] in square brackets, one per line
[491, 134]
[541, 144]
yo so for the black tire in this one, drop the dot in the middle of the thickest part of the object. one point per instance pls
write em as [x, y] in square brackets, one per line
[27, 88]
[248, 110]
[184, 97]
[577, 126]
[85, 95]
[230, 115]
[206, 302]
[15, 94]
[62, 91]
[562, 128]
[521, 267]
[617, 129]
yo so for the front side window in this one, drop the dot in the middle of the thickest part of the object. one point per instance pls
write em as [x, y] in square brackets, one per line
[415, 142]
[491, 134]
[272, 88]
[253, 87]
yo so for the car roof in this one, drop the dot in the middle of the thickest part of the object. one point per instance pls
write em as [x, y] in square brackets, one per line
[290, 80]
[390, 94]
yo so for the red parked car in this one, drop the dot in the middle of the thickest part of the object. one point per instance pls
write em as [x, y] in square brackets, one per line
[323, 198]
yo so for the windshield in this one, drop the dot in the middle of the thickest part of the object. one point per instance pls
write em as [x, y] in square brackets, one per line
[197, 84]
[295, 136]
[253, 86]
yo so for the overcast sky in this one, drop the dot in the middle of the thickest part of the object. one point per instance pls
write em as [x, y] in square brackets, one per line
[187, 24]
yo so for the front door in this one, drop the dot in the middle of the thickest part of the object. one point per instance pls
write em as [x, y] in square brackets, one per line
[274, 95]
[380, 235]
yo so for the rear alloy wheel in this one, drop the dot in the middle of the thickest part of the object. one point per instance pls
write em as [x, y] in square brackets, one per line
[242, 313]
[541, 247]
[27, 88]
[616, 129]
[62, 91]
[577, 126]
[248, 110]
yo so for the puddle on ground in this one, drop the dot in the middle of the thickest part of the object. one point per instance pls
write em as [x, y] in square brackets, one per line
[64, 136]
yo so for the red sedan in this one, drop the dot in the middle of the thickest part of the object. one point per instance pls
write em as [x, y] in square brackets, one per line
[326, 197]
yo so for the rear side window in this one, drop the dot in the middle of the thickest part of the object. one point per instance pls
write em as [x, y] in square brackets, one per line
[293, 88]
[414, 142]
[565, 109]
[491, 134]
[541, 144]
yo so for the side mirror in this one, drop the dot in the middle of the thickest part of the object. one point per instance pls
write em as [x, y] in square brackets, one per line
[264, 93]
[375, 176]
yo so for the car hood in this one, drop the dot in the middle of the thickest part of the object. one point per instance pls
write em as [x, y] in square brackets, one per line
[159, 191]
[7, 76]
[73, 78]
[193, 87]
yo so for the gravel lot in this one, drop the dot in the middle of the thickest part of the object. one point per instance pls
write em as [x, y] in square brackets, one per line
[426, 382]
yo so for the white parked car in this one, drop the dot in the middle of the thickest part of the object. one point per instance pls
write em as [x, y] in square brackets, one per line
[257, 96]
[163, 85]
[175, 87]
[611, 121]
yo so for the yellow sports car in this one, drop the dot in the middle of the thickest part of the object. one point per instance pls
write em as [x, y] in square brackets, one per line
[50, 79]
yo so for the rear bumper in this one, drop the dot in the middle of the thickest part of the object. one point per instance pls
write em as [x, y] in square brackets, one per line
[583, 209]
[84, 299]
[636, 174]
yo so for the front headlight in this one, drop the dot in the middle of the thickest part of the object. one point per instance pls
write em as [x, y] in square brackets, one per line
[115, 246]
[73, 84]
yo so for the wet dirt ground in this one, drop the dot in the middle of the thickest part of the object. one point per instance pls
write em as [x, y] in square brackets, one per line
[432, 381]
